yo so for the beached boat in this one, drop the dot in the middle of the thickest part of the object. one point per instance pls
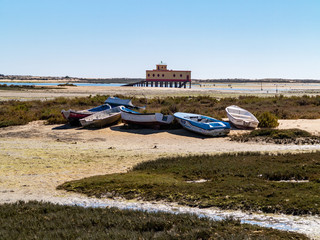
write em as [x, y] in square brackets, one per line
[102, 118]
[241, 118]
[202, 124]
[73, 116]
[115, 101]
[146, 119]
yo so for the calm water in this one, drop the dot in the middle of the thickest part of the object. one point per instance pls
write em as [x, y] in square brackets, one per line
[56, 84]
[267, 88]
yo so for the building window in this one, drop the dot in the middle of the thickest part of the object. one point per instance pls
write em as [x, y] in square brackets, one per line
[148, 75]
[158, 75]
[162, 75]
[180, 75]
[152, 75]
[174, 75]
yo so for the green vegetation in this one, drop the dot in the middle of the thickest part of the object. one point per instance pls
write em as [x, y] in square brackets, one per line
[279, 136]
[22, 112]
[67, 85]
[267, 120]
[247, 181]
[48, 221]
[23, 87]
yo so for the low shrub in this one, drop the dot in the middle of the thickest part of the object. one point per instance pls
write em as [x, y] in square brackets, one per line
[267, 120]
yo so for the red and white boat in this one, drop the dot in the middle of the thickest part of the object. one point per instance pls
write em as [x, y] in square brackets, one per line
[73, 116]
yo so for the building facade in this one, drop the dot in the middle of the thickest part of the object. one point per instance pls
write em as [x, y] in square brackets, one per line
[162, 77]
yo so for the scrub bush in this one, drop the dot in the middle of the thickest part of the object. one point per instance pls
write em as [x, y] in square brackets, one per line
[267, 120]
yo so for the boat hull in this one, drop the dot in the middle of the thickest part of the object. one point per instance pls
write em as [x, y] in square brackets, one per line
[202, 124]
[149, 119]
[213, 133]
[100, 122]
[241, 118]
[240, 123]
[74, 116]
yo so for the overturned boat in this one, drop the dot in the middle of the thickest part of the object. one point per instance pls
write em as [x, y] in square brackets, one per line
[202, 124]
[146, 119]
[241, 118]
[102, 118]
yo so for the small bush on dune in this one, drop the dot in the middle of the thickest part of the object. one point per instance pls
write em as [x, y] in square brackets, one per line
[267, 120]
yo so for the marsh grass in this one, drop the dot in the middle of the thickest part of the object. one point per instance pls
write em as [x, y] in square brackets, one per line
[246, 181]
[18, 112]
[14, 87]
[279, 136]
[22, 112]
[35, 220]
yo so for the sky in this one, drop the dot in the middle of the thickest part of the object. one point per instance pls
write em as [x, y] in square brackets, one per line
[124, 38]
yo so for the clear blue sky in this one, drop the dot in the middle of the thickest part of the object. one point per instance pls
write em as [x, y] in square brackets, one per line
[123, 38]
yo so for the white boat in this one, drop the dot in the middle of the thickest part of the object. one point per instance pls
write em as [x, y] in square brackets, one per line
[103, 118]
[202, 124]
[241, 118]
[147, 119]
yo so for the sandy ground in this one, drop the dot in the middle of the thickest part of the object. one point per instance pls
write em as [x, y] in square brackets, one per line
[36, 158]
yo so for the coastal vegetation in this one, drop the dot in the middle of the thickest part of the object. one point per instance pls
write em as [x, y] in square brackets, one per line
[34, 220]
[284, 183]
[267, 120]
[21, 112]
[279, 136]
[23, 87]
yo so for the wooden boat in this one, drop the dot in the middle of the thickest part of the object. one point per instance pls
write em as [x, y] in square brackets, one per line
[73, 116]
[202, 124]
[103, 118]
[241, 118]
[147, 119]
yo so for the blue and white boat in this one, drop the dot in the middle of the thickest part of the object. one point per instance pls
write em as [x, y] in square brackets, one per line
[115, 102]
[202, 124]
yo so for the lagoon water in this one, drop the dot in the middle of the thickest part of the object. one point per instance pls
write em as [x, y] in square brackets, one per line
[223, 87]
[56, 84]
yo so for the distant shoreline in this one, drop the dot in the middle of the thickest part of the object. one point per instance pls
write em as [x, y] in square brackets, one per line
[25, 78]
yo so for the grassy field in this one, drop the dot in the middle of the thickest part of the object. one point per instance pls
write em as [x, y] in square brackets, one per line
[22, 112]
[288, 183]
[35, 220]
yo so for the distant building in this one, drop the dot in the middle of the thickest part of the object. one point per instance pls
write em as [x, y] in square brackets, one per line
[162, 77]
